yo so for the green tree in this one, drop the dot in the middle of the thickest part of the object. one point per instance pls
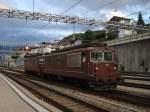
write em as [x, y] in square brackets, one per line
[140, 19]
[88, 36]
[140, 22]
[15, 56]
[112, 33]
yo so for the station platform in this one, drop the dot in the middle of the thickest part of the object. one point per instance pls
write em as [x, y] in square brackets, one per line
[13, 99]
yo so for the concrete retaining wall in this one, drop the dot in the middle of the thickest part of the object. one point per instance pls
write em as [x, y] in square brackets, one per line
[134, 56]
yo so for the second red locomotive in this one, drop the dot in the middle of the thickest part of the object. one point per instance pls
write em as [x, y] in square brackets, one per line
[93, 65]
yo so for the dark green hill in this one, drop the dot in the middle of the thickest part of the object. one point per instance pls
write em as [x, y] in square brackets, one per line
[89, 36]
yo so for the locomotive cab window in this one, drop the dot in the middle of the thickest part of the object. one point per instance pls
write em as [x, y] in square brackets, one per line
[99, 56]
[107, 56]
[96, 56]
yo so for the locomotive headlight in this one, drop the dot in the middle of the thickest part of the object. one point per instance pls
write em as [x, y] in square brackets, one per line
[107, 65]
[96, 68]
[115, 68]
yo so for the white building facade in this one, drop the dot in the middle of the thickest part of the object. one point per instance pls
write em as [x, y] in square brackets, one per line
[122, 32]
[43, 49]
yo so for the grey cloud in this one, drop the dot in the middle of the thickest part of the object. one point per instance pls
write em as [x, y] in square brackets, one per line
[19, 30]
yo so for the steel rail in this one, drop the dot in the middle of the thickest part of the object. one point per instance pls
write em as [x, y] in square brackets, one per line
[60, 100]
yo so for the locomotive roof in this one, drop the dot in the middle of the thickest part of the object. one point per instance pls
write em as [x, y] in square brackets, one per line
[32, 55]
[71, 48]
[82, 46]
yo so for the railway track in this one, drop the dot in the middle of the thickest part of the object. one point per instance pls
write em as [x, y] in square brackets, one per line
[143, 77]
[59, 100]
[133, 98]
[117, 95]
[143, 86]
[137, 80]
[140, 75]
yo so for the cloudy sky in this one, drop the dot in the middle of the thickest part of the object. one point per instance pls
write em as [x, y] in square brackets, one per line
[13, 30]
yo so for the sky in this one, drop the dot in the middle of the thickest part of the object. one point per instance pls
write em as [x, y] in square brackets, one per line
[21, 31]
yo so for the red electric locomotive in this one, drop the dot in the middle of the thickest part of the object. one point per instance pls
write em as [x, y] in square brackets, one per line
[90, 64]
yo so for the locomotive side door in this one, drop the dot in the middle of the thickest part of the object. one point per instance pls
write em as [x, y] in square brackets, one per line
[91, 72]
[40, 62]
[96, 57]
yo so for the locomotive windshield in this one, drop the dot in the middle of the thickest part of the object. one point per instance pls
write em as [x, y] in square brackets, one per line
[98, 56]
[107, 56]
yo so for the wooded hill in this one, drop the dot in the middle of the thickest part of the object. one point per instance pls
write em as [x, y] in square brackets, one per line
[89, 36]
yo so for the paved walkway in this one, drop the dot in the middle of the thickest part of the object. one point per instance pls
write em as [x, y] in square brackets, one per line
[12, 100]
